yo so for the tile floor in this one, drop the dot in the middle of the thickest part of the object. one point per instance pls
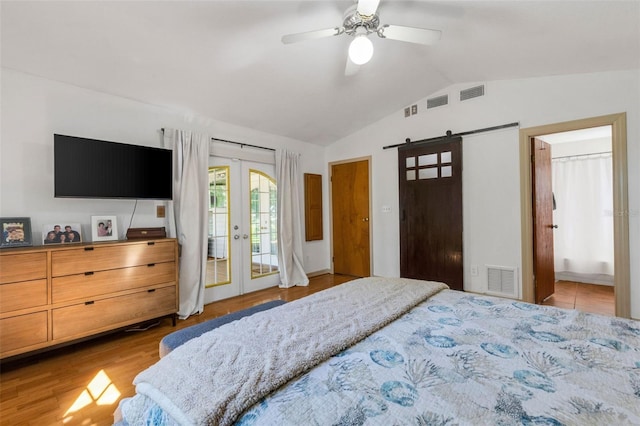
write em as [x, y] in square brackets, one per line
[597, 299]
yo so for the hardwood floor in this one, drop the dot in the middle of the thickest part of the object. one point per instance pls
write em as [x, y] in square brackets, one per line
[82, 384]
[593, 298]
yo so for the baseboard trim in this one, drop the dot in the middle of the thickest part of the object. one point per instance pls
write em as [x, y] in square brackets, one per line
[317, 273]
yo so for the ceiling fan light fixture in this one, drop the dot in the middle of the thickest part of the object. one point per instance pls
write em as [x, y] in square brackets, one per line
[367, 7]
[360, 50]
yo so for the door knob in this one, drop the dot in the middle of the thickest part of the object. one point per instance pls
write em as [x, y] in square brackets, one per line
[236, 237]
[365, 219]
[245, 236]
[553, 226]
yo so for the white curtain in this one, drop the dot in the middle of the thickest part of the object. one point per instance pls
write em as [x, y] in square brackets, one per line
[583, 241]
[188, 219]
[289, 220]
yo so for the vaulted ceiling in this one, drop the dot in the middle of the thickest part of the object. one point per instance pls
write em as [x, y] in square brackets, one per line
[225, 59]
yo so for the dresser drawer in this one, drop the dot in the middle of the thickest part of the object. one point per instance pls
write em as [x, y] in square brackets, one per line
[22, 331]
[84, 286]
[102, 258]
[95, 316]
[22, 267]
[22, 295]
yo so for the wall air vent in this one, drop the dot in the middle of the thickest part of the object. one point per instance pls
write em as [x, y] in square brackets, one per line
[501, 281]
[437, 101]
[472, 92]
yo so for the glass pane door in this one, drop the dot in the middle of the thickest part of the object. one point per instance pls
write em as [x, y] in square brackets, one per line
[218, 265]
[264, 237]
[242, 234]
[261, 253]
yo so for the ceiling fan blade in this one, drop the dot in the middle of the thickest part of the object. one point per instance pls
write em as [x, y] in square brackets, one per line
[410, 34]
[310, 35]
[351, 68]
[367, 7]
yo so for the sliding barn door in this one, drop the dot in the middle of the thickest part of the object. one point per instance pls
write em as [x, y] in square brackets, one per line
[430, 177]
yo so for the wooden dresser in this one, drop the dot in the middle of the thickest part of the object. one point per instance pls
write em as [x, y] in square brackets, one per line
[56, 294]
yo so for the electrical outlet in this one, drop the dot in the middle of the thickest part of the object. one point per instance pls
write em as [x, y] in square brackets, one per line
[414, 109]
[474, 270]
[407, 112]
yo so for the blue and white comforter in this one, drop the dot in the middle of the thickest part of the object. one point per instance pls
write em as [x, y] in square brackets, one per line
[462, 359]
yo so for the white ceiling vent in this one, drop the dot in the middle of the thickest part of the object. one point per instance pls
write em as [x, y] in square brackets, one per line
[501, 281]
[472, 92]
[437, 101]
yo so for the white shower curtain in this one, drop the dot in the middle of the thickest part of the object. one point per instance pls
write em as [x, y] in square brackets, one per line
[289, 220]
[188, 219]
[583, 241]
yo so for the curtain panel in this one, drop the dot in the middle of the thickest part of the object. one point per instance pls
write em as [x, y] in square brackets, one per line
[583, 242]
[290, 233]
[188, 217]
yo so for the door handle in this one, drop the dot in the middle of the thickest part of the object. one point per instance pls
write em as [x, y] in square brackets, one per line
[553, 226]
[365, 219]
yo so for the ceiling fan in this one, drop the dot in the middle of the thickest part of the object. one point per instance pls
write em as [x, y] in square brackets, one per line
[361, 20]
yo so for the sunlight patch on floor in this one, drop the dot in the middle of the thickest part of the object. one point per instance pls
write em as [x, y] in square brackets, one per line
[99, 391]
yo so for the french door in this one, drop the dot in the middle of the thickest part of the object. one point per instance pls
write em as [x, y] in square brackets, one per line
[242, 236]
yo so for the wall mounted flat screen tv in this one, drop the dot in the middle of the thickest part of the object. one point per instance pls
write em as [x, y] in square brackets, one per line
[89, 168]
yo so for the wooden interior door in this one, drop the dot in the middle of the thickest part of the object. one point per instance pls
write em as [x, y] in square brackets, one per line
[350, 215]
[543, 267]
[430, 190]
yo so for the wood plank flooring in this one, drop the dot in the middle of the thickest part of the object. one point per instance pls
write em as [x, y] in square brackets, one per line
[83, 383]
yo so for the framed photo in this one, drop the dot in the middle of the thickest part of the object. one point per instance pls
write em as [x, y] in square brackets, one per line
[61, 233]
[16, 232]
[104, 228]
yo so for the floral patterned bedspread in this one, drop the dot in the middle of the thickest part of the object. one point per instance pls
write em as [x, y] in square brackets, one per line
[463, 359]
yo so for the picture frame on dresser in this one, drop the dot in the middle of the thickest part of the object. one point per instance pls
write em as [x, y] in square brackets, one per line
[61, 233]
[104, 228]
[16, 232]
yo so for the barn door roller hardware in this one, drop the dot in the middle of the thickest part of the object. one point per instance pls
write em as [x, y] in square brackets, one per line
[450, 135]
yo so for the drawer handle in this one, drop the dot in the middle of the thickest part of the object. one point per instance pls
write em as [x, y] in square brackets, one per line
[150, 243]
[88, 249]
[151, 290]
[90, 302]
[151, 264]
[89, 273]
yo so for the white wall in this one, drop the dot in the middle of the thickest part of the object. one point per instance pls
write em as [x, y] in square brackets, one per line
[491, 176]
[33, 109]
[581, 147]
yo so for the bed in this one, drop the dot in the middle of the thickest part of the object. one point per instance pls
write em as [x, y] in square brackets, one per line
[381, 351]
